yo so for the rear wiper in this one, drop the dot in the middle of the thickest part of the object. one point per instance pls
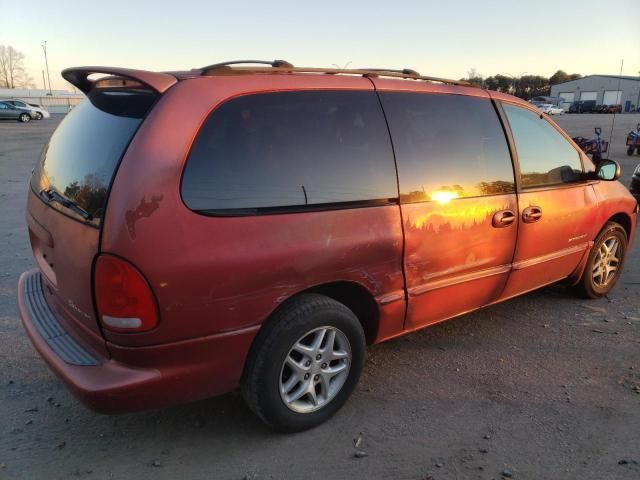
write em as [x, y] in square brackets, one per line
[52, 195]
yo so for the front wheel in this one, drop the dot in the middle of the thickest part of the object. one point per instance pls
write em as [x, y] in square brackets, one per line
[24, 117]
[605, 261]
[39, 116]
[304, 363]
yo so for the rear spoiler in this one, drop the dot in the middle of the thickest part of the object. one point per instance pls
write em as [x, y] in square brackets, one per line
[79, 77]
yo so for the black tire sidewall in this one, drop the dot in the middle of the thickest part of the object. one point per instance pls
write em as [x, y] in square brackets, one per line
[24, 118]
[39, 116]
[592, 290]
[272, 408]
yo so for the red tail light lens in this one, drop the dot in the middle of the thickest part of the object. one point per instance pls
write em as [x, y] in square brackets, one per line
[123, 296]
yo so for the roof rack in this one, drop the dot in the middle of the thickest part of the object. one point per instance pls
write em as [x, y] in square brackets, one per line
[274, 63]
[282, 66]
[406, 71]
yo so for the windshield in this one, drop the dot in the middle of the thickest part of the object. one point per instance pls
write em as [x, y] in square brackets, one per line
[81, 158]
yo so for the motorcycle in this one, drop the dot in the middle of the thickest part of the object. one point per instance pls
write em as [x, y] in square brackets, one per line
[593, 146]
[633, 141]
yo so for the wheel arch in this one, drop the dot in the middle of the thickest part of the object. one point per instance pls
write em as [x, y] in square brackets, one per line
[353, 295]
[624, 220]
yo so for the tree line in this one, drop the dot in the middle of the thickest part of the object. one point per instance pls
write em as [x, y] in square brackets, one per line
[525, 87]
[13, 73]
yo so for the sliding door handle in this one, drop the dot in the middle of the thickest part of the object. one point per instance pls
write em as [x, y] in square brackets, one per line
[531, 214]
[503, 218]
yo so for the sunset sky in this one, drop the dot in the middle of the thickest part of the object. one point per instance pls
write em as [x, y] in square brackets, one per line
[434, 37]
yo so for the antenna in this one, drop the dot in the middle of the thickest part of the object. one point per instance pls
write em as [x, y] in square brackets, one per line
[613, 122]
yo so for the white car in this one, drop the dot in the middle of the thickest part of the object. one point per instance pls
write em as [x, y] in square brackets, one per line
[551, 109]
[38, 111]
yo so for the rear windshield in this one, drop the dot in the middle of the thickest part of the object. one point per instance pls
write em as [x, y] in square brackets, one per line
[83, 153]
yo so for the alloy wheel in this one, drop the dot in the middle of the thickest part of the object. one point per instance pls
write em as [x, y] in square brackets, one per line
[315, 369]
[606, 262]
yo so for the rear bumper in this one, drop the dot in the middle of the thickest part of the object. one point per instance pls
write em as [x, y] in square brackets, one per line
[135, 378]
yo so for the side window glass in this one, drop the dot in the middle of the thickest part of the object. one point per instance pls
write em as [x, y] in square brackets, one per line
[291, 149]
[545, 156]
[447, 146]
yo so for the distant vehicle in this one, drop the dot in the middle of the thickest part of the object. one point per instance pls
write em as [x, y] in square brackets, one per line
[550, 109]
[9, 111]
[583, 106]
[537, 101]
[633, 141]
[593, 146]
[39, 111]
[610, 109]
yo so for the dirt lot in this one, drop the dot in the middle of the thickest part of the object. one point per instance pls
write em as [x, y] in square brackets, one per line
[546, 386]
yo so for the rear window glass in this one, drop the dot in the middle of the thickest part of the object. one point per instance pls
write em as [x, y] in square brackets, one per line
[291, 149]
[82, 155]
[447, 146]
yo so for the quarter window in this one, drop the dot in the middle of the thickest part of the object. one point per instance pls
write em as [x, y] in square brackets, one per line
[544, 155]
[447, 146]
[291, 149]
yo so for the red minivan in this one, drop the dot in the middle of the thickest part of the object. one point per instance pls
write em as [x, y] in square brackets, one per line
[258, 226]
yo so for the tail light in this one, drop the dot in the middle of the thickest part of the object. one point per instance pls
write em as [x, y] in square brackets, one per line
[124, 298]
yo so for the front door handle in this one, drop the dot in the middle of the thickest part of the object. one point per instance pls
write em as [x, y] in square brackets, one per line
[503, 218]
[531, 214]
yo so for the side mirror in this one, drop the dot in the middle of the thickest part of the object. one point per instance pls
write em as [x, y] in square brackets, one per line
[608, 170]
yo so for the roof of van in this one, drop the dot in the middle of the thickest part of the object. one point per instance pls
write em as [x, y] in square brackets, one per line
[162, 81]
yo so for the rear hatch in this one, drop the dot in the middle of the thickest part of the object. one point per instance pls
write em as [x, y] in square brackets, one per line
[68, 196]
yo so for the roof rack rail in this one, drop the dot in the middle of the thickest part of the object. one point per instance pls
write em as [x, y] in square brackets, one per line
[406, 71]
[365, 72]
[274, 63]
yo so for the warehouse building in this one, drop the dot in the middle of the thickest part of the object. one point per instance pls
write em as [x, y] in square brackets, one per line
[604, 89]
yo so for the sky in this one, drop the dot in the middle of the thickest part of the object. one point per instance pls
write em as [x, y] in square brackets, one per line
[437, 38]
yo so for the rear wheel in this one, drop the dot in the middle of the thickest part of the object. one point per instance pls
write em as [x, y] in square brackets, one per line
[24, 117]
[605, 262]
[304, 364]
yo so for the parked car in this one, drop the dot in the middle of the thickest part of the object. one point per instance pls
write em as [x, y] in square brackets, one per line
[39, 112]
[550, 109]
[556, 101]
[635, 183]
[9, 111]
[290, 218]
[583, 106]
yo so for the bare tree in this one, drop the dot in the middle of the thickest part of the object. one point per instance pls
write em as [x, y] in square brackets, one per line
[12, 71]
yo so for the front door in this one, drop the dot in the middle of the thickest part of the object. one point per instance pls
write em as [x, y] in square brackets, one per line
[557, 204]
[458, 201]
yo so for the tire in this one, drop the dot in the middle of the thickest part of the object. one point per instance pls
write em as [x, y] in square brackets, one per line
[630, 150]
[591, 285]
[39, 116]
[268, 369]
[24, 117]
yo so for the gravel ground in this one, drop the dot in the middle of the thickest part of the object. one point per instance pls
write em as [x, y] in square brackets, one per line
[545, 386]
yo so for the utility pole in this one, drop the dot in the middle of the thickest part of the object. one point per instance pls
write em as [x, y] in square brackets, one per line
[46, 61]
[44, 84]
